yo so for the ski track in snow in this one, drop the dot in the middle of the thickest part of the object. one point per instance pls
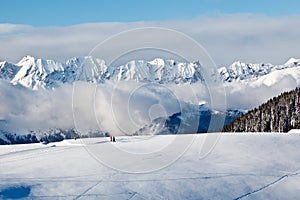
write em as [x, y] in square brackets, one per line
[87, 190]
[268, 185]
[92, 186]
[134, 193]
[34, 153]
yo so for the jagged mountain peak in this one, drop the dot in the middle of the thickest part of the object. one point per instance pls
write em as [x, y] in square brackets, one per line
[157, 61]
[39, 63]
[26, 60]
[33, 72]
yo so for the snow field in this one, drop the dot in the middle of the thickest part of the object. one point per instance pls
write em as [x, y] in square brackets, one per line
[241, 166]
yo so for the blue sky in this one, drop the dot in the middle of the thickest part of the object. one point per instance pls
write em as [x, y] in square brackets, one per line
[70, 12]
[251, 31]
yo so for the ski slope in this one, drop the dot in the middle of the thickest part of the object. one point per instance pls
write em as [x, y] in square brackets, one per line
[240, 166]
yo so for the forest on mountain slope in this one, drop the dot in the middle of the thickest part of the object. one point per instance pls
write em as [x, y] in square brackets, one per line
[279, 114]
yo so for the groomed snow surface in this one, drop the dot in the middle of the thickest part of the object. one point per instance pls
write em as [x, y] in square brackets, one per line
[240, 166]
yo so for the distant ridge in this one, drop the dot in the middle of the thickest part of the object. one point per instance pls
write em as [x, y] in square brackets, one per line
[37, 73]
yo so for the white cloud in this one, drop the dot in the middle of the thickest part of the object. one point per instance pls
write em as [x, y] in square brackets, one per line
[24, 109]
[246, 37]
[115, 108]
[125, 107]
[6, 29]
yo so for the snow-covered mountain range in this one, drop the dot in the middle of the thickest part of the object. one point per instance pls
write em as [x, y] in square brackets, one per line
[239, 71]
[38, 73]
[33, 110]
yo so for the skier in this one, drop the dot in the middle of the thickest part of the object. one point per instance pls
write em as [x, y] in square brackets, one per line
[111, 138]
[114, 139]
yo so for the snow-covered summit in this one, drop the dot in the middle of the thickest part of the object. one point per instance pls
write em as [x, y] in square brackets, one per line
[157, 62]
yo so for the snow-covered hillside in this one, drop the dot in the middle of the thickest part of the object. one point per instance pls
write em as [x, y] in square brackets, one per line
[241, 166]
